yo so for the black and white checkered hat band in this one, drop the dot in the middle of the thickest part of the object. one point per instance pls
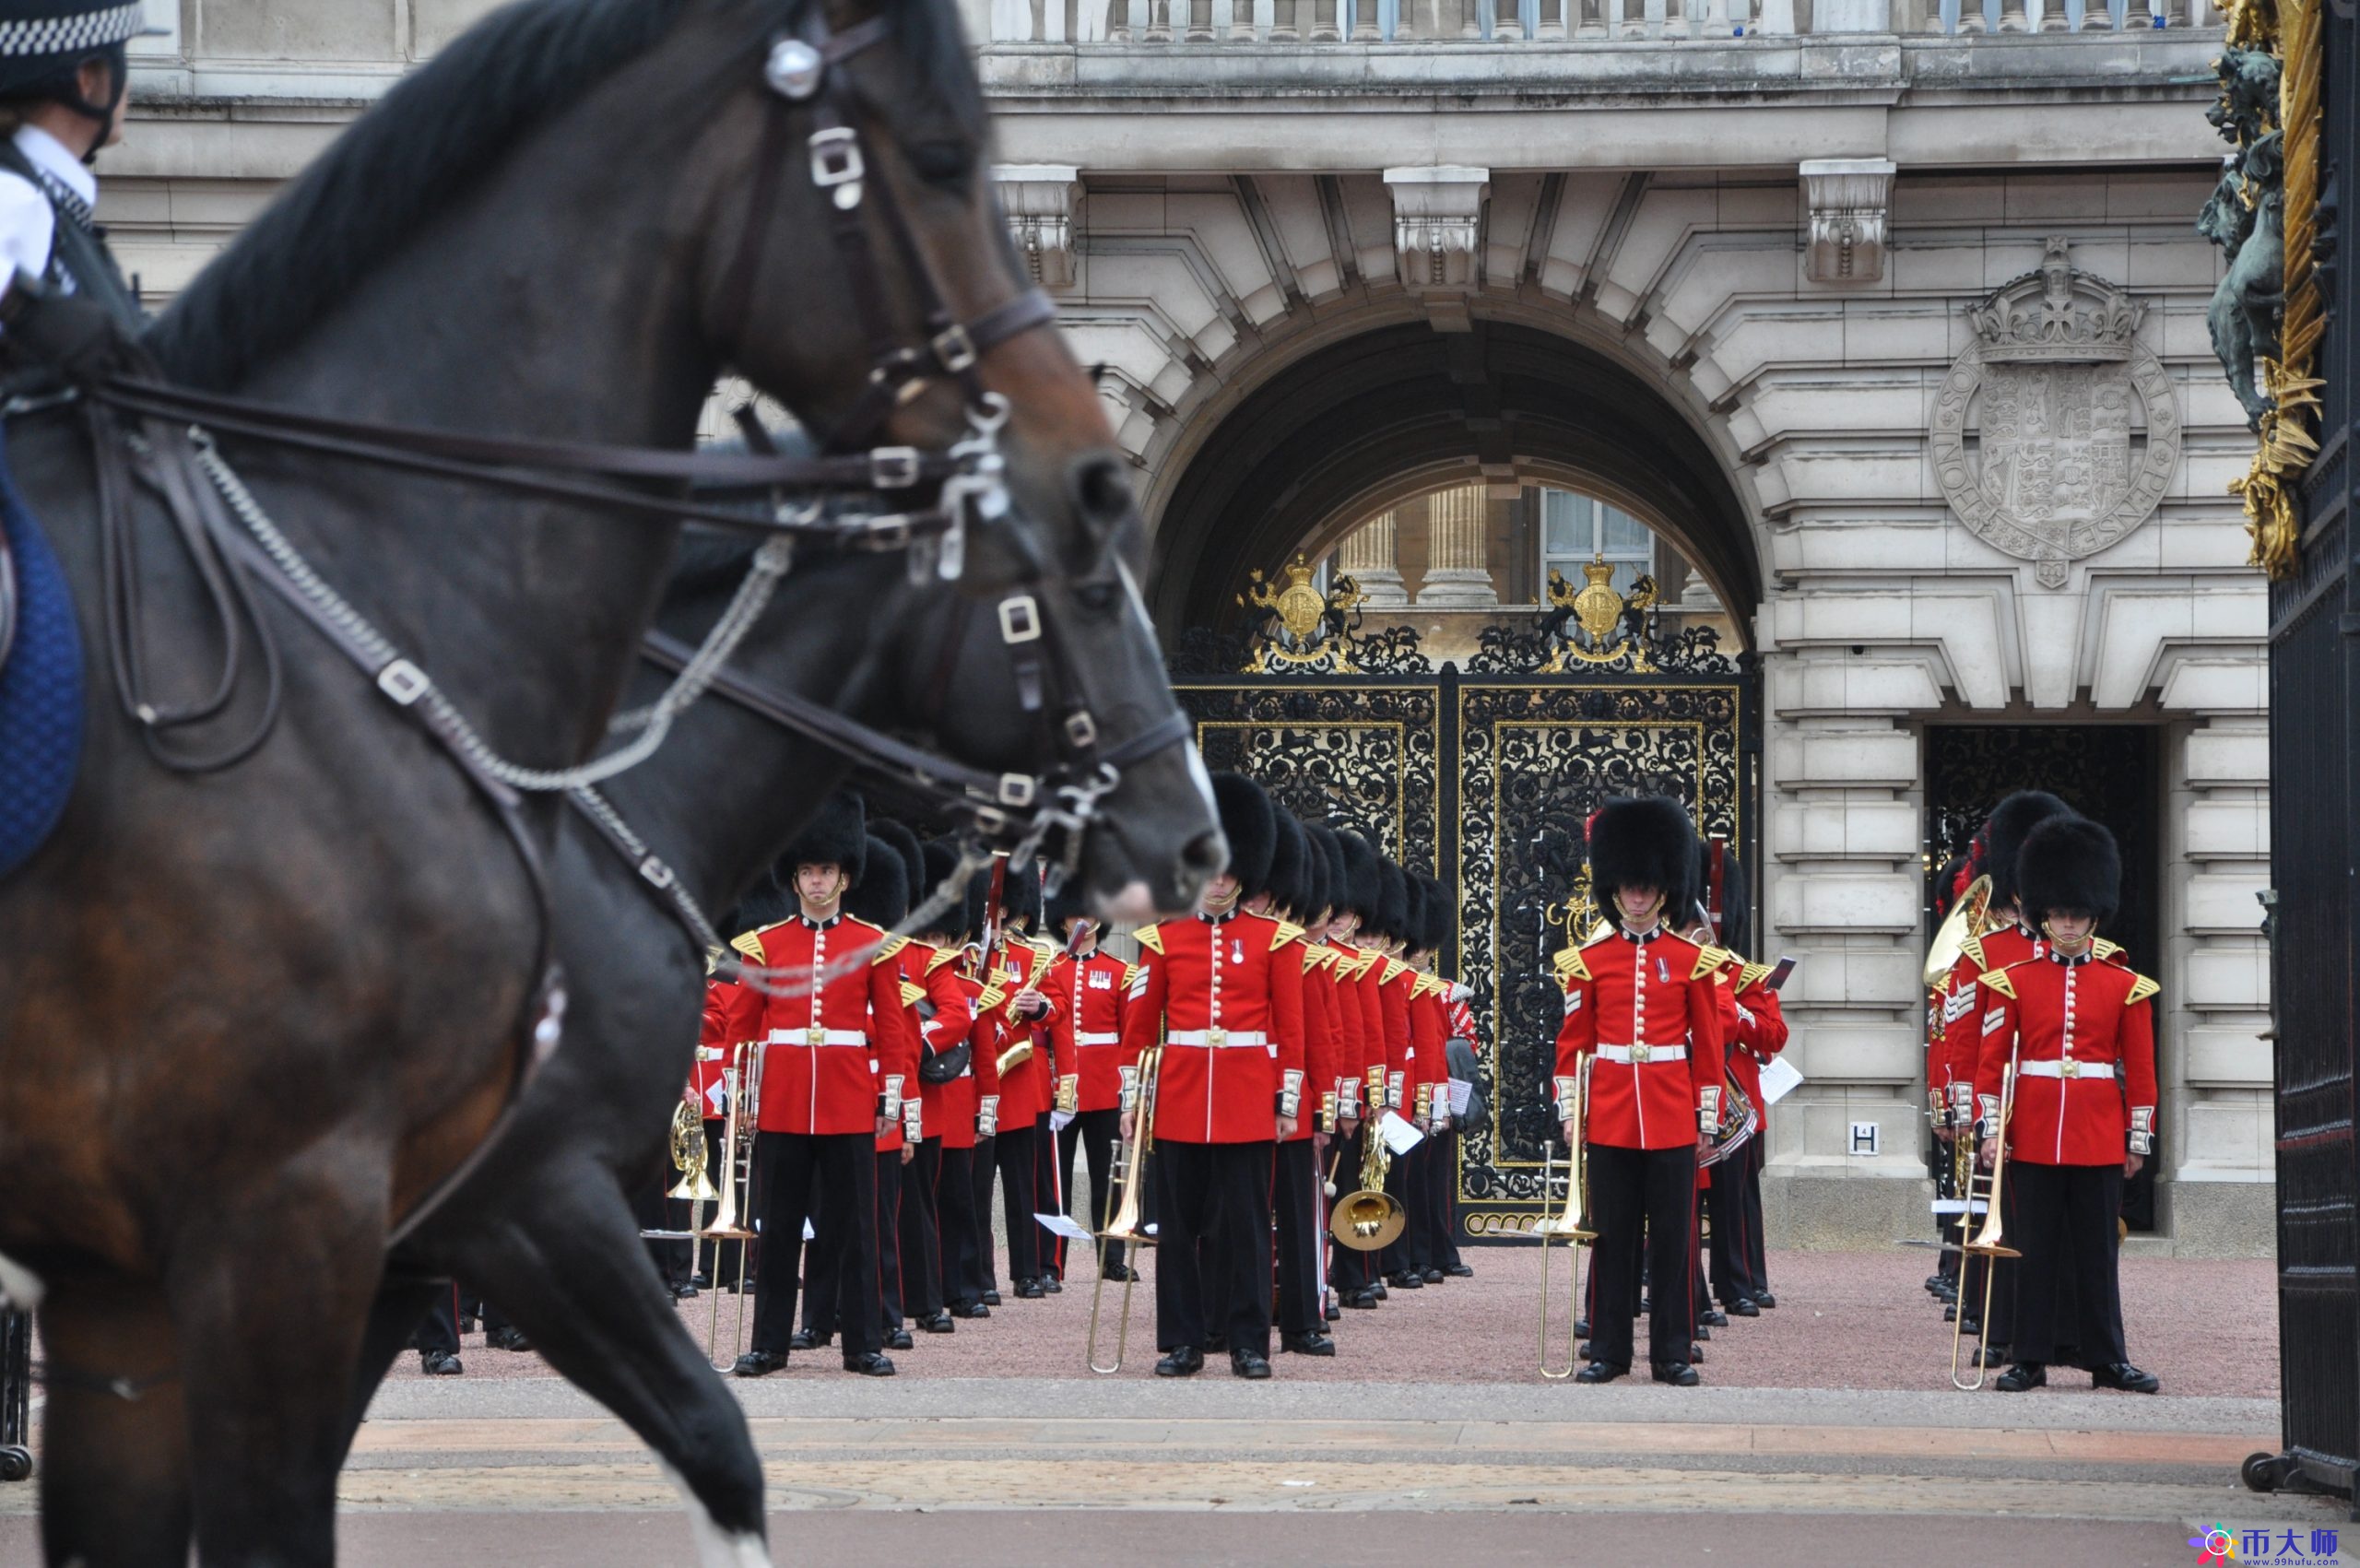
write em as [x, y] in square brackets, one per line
[73, 33]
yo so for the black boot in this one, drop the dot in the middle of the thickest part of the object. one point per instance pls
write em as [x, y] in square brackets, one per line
[439, 1364]
[1311, 1344]
[869, 1364]
[2023, 1375]
[1679, 1374]
[1600, 1372]
[2128, 1378]
[1185, 1361]
[759, 1363]
[810, 1340]
[1250, 1364]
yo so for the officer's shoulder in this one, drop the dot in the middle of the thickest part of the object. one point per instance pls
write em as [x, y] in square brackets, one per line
[2141, 986]
[912, 992]
[1394, 970]
[938, 957]
[1997, 979]
[888, 944]
[750, 942]
[1569, 965]
[1971, 951]
[1151, 937]
[1709, 959]
[1285, 931]
[1752, 975]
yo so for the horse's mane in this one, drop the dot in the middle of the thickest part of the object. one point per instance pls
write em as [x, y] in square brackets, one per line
[437, 133]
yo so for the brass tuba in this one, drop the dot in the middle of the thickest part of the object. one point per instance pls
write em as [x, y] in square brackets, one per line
[1568, 1222]
[1369, 1218]
[687, 1157]
[1127, 1168]
[1967, 920]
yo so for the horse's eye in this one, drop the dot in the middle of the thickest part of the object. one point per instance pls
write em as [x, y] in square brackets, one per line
[942, 163]
[1098, 599]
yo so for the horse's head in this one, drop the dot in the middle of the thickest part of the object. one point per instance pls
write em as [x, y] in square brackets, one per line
[862, 273]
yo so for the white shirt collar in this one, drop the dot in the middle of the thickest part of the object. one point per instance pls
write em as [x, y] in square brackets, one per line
[48, 154]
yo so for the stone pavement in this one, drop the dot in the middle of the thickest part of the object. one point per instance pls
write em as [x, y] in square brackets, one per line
[1439, 1452]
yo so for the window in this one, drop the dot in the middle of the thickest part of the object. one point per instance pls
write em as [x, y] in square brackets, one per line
[1578, 529]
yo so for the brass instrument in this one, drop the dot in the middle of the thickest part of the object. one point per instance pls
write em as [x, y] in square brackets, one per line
[1370, 1217]
[1989, 1243]
[1127, 1167]
[687, 1157]
[1567, 1222]
[1969, 919]
[730, 1220]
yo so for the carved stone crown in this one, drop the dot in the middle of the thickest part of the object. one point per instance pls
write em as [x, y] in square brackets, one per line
[2057, 315]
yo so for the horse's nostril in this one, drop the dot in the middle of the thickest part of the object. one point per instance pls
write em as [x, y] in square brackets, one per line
[1100, 491]
[1206, 852]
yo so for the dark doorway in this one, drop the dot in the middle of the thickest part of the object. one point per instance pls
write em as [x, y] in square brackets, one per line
[2108, 773]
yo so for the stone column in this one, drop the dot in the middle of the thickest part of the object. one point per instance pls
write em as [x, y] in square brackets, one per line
[1458, 535]
[1367, 556]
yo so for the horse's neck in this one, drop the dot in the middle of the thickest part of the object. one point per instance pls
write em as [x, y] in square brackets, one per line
[722, 798]
[548, 304]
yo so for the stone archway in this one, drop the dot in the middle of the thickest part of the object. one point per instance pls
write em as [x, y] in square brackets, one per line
[1371, 417]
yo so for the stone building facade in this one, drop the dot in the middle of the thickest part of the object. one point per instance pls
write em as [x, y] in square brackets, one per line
[1887, 321]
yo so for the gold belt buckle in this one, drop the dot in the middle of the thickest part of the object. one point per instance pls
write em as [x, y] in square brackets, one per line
[1216, 1036]
[1640, 1052]
[815, 1035]
[2071, 1069]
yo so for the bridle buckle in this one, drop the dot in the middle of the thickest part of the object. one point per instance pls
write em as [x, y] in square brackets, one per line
[1016, 791]
[955, 349]
[893, 467]
[1020, 620]
[1081, 730]
[794, 69]
[403, 682]
[836, 164]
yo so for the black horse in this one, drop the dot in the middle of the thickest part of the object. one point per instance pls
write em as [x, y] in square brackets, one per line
[544, 1227]
[250, 1018]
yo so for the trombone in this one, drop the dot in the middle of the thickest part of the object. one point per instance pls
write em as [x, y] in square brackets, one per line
[1568, 1222]
[731, 1220]
[1127, 1169]
[1989, 1243]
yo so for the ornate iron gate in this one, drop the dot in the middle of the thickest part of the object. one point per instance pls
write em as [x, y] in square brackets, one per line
[1485, 777]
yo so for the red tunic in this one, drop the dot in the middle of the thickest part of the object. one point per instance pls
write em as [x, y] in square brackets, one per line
[1088, 1029]
[1623, 993]
[1319, 1052]
[709, 1078]
[2083, 1036]
[826, 1055]
[1428, 1029]
[1758, 1029]
[1027, 1089]
[951, 1108]
[1227, 993]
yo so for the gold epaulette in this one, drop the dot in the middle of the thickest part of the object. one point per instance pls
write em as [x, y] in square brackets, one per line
[912, 994]
[941, 956]
[1569, 965]
[1997, 980]
[1708, 959]
[2140, 989]
[1151, 937]
[1393, 971]
[2102, 948]
[887, 948]
[1366, 961]
[1752, 975]
[750, 943]
[1047, 950]
[1721, 977]
[1972, 952]
[1131, 975]
[1288, 931]
[992, 996]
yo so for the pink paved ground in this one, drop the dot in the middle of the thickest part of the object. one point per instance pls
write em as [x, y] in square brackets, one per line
[1843, 1320]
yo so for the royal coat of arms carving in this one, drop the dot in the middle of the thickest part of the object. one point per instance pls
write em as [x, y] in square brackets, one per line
[2056, 433]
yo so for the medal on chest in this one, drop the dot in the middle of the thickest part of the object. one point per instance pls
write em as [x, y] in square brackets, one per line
[1662, 973]
[1237, 950]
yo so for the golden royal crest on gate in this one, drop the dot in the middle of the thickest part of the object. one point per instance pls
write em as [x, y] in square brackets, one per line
[1302, 629]
[1592, 624]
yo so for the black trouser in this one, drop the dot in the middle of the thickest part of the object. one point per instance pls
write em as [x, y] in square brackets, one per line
[1757, 1257]
[1628, 1187]
[986, 1169]
[1015, 1152]
[1400, 1178]
[1095, 1133]
[2065, 1223]
[439, 1330]
[1732, 1228]
[1296, 1197]
[921, 1235]
[1049, 1196]
[966, 1249]
[824, 1294]
[796, 1169]
[1438, 1172]
[1219, 1191]
[1349, 1268]
[1448, 1199]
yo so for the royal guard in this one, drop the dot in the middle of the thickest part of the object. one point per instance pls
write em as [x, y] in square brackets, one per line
[1641, 1002]
[1462, 1048]
[1994, 853]
[881, 899]
[1020, 968]
[1223, 989]
[1753, 1030]
[2067, 1078]
[1950, 883]
[1436, 1165]
[1335, 1029]
[1359, 1054]
[960, 1117]
[940, 1019]
[988, 995]
[1088, 990]
[1290, 895]
[832, 1073]
[1400, 913]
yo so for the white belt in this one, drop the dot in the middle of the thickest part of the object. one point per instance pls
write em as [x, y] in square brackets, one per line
[2069, 1067]
[816, 1036]
[1643, 1054]
[712, 1053]
[1216, 1037]
[1110, 1039]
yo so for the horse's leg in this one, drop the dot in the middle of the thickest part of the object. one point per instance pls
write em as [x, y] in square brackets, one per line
[269, 1296]
[114, 1488]
[582, 1287]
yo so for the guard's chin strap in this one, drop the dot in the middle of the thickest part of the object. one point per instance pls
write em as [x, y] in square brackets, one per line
[119, 76]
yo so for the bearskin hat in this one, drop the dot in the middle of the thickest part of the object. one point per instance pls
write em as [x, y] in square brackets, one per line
[1413, 910]
[2004, 836]
[978, 895]
[1393, 901]
[1068, 903]
[1364, 878]
[941, 858]
[837, 836]
[1949, 883]
[1434, 937]
[906, 849]
[1289, 881]
[1328, 851]
[2069, 865]
[1019, 901]
[1250, 824]
[883, 896]
[1640, 842]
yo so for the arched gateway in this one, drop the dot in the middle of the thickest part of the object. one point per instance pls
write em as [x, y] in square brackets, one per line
[1456, 588]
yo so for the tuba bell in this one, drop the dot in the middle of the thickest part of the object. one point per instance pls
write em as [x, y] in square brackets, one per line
[1967, 921]
[687, 1157]
[1369, 1219]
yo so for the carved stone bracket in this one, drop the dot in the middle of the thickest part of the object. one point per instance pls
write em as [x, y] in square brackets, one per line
[1438, 226]
[1039, 200]
[1849, 200]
